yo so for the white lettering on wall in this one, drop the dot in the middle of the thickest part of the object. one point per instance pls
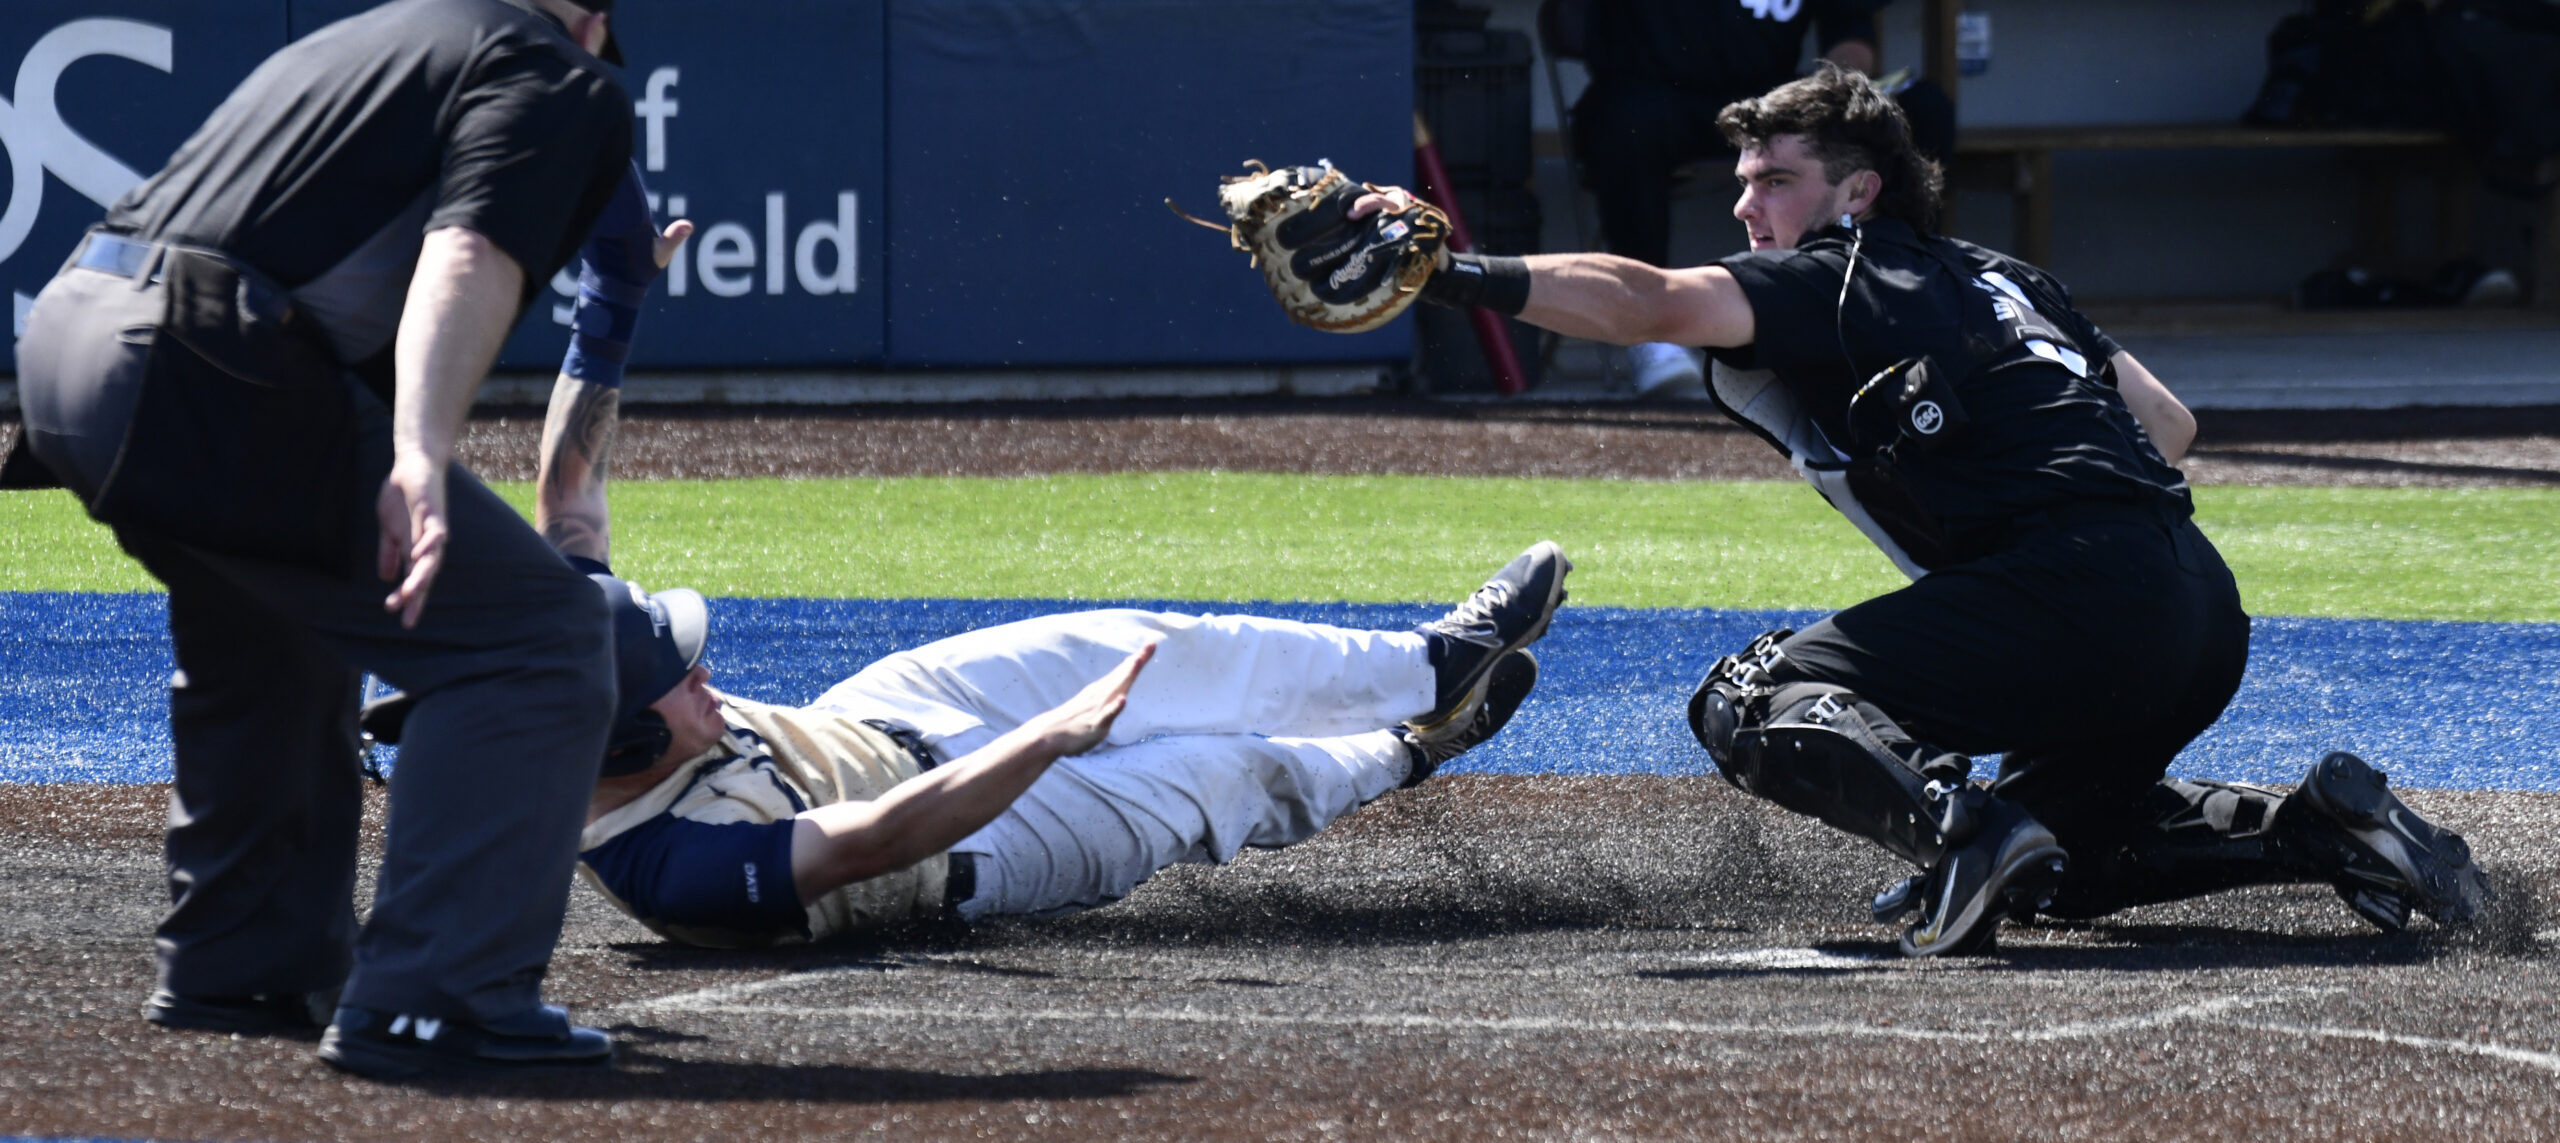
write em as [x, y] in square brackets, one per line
[676, 208]
[565, 284]
[775, 268]
[824, 255]
[36, 138]
[726, 246]
[656, 109]
[845, 235]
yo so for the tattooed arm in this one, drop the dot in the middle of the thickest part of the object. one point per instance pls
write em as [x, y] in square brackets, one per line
[617, 263]
[577, 443]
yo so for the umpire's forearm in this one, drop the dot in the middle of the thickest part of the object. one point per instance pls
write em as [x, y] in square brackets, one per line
[462, 299]
[569, 504]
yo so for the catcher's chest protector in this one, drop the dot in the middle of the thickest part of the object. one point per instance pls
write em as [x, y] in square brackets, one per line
[1866, 481]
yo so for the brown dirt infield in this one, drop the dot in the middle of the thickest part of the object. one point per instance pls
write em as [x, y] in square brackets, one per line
[1386, 435]
[1629, 958]
[2433, 447]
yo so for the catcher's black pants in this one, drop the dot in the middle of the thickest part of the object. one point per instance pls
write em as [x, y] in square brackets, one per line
[2087, 654]
[512, 657]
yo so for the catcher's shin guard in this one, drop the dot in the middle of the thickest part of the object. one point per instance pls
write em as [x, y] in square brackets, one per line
[1734, 683]
[1821, 750]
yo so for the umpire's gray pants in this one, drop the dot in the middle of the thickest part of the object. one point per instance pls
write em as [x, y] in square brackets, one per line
[512, 663]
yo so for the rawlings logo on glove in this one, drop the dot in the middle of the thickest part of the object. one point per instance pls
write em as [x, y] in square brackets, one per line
[1330, 271]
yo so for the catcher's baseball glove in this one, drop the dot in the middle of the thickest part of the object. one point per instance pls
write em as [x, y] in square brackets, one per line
[1330, 271]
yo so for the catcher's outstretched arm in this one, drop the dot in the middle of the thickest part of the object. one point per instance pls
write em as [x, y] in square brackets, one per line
[1618, 300]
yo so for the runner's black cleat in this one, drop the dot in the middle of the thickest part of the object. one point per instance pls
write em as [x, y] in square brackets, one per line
[1505, 688]
[1508, 613]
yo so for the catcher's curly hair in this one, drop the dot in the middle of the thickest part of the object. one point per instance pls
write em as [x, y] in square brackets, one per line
[1851, 125]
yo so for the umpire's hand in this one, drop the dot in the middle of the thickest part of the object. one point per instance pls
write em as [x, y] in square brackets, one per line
[412, 517]
[462, 299]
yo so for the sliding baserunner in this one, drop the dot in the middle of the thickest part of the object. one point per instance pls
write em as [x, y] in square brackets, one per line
[1033, 768]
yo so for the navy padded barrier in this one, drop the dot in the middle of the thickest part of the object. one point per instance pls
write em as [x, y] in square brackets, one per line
[122, 112]
[745, 102]
[1032, 144]
[2439, 705]
[1002, 166]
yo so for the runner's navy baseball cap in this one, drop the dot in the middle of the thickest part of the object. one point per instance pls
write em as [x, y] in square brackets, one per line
[657, 638]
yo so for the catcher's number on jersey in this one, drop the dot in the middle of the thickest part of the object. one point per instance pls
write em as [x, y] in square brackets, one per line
[1330, 271]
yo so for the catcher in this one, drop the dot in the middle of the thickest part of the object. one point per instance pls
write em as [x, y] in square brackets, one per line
[1034, 768]
[2015, 462]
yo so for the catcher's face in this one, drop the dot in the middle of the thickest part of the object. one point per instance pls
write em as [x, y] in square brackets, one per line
[1785, 196]
[693, 714]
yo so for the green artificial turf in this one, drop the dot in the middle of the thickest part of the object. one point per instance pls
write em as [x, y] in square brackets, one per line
[2348, 552]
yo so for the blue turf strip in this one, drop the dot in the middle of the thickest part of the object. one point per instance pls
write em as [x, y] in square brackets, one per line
[2441, 705]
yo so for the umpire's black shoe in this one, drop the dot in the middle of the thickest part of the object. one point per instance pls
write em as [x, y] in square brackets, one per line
[256, 1014]
[386, 1045]
[1508, 613]
[2009, 867]
[1505, 687]
[2390, 860]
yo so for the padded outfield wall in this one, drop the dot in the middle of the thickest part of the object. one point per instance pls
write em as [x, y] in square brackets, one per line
[880, 184]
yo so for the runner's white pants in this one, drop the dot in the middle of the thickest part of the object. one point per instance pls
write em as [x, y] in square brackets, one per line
[1241, 732]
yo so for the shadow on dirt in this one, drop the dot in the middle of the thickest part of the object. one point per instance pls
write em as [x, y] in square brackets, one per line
[640, 1074]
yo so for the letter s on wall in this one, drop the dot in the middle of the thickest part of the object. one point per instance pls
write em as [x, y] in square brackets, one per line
[36, 138]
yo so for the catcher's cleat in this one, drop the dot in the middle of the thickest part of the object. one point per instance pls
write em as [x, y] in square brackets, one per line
[390, 1046]
[1508, 613]
[1506, 686]
[2009, 868]
[1898, 900]
[255, 1014]
[2392, 861]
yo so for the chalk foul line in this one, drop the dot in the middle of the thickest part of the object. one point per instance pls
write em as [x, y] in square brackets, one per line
[2546, 1061]
[726, 1001]
[735, 999]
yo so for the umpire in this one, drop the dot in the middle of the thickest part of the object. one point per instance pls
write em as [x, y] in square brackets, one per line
[254, 371]
[2019, 465]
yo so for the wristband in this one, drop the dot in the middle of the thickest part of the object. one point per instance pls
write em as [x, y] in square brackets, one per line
[1494, 282]
[607, 314]
[616, 265]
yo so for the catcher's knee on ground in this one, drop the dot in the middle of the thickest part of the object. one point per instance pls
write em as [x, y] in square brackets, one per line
[1821, 750]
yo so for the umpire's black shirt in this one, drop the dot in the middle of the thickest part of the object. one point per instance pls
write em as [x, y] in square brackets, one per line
[2048, 427]
[329, 164]
[1722, 49]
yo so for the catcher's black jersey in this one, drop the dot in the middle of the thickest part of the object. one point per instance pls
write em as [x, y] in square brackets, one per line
[1727, 49]
[2046, 425]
